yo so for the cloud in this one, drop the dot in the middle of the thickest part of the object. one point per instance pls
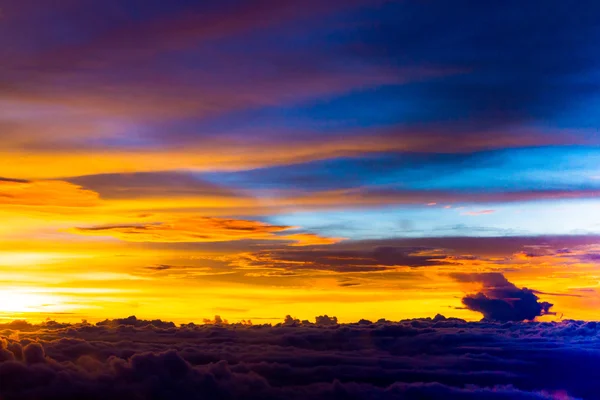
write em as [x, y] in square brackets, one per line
[371, 196]
[339, 259]
[182, 91]
[133, 321]
[161, 267]
[501, 300]
[481, 212]
[152, 184]
[410, 359]
[325, 320]
[48, 193]
[110, 97]
[204, 229]
[174, 27]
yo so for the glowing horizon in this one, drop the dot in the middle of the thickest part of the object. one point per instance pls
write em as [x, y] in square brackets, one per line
[260, 159]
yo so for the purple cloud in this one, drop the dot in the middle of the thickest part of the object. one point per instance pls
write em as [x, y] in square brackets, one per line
[501, 300]
[412, 359]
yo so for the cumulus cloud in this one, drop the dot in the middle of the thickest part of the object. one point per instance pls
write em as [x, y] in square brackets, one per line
[501, 300]
[424, 358]
[204, 229]
[326, 320]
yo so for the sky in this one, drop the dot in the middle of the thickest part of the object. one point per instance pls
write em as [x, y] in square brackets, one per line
[254, 159]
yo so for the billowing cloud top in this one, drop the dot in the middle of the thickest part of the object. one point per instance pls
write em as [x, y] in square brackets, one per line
[258, 158]
[439, 358]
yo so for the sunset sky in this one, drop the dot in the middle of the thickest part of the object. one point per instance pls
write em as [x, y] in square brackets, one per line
[254, 159]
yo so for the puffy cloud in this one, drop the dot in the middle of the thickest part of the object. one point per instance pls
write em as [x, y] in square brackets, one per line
[204, 229]
[410, 359]
[290, 321]
[326, 320]
[501, 300]
[134, 322]
[217, 320]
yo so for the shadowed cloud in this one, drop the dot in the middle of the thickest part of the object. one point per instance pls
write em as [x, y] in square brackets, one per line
[152, 184]
[427, 358]
[340, 260]
[501, 300]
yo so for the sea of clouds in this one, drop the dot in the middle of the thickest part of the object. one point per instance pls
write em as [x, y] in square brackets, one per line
[439, 358]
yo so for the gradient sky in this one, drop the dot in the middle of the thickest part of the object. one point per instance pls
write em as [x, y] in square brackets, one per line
[255, 159]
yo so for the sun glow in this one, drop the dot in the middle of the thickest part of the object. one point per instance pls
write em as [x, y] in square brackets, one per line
[11, 258]
[22, 301]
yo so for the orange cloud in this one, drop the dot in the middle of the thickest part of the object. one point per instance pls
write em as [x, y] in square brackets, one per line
[204, 229]
[310, 239]
[45, 193]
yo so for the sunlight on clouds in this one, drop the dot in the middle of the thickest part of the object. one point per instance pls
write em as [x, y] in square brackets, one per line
[9, 258]
[254, 159]
[45, 193]
[23, 301]
[203, 229]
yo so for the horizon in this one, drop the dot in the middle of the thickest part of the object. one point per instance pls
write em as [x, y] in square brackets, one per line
[431, 165]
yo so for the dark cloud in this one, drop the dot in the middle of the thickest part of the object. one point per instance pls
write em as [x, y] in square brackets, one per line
[162, 267]
[339, 259]
[13, 180]
[134, 322]
[412, 359]
[501, 300]
[348, 284]
[151, 184]
[501, 246]
[502, 254]
[326, 320]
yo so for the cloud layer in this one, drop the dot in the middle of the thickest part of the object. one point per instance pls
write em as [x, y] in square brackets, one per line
[411, 359]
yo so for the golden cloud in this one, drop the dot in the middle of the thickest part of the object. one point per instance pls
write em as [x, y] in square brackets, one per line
[52, 193]
[204, 229]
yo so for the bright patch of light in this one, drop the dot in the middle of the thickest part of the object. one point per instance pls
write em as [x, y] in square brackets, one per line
[19, 301]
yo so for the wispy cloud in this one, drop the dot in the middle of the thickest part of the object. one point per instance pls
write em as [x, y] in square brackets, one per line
[204, 229]
[479, 212]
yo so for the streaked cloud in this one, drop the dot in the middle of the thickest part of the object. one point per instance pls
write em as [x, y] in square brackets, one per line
[479, 212]
[204, 229]
[51, 193]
